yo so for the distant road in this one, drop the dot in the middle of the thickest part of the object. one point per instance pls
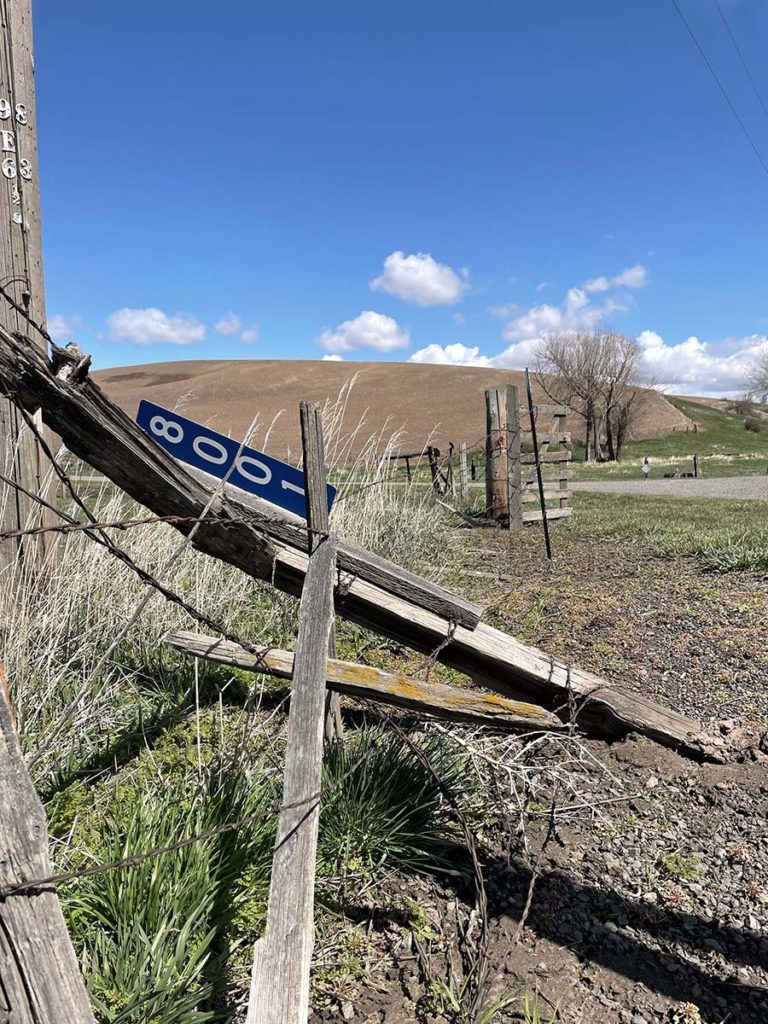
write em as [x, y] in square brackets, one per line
[754, 488]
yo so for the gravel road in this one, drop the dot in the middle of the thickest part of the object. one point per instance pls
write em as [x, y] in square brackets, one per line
[738, 487]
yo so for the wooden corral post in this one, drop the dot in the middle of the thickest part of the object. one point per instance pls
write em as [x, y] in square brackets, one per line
[463, 480]
[21, 271]
[40, 980]
[496, 496]
[514, 484]
[696, 469]
[313, 445]
[281, 960]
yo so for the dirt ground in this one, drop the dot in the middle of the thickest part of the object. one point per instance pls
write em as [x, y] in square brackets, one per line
[650, 900]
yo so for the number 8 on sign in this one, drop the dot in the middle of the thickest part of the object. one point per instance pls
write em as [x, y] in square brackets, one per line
[172, 432]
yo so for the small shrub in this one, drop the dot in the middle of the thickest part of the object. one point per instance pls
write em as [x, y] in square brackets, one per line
[676, 865]
[753, 424]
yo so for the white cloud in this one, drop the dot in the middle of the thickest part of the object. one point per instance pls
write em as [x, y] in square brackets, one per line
[503, 311]
[153, 326]
[454, 355]
[691, 367]
[698, 367]
[458, 318]
[368, 330]
[631, 277]
[251, 334]
[421, 279]
[230, 323]
[333, 359]
[542, 285]
[62, 328]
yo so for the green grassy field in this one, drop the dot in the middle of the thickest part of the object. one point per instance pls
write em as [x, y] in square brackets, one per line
[720, 535]
[724, 445]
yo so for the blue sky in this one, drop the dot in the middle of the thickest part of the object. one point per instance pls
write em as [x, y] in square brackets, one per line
[438, 181]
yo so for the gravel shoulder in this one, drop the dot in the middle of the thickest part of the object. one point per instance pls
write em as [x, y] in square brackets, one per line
[746, 488]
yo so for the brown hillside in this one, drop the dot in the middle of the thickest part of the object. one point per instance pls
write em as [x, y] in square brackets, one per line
[444, 403]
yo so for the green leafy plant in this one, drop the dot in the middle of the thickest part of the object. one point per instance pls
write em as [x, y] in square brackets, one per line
[391, 810]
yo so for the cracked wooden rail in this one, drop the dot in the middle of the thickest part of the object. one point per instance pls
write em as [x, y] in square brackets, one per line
[449, 702]
[370, 591]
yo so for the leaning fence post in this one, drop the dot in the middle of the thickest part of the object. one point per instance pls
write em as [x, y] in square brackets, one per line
[318, 522]
[496, 453]
[40, 980]
[281, 959]
[463, 481]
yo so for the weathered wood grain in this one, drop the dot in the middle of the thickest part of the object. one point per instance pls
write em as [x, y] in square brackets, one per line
[100, 433]
[514, 438]
[313, 448]
[21, 276]
[280, 977]
[496, 496]
[448, 702]
[40, 981]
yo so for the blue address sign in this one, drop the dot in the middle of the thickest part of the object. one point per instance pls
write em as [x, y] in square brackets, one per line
[214, 453]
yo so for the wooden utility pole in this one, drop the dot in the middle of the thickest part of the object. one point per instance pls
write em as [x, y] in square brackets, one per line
[21, 268]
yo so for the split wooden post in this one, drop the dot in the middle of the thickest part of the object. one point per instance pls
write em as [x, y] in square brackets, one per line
[318, 522]
[463, 480]
[450, 702]
[40, 980]
[514, 484]
[21, 276]
[496, 498]
[281, 960]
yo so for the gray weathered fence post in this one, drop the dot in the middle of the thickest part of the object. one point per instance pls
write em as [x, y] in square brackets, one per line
[495, 453]
[40, 980]
[514, 484]
[281, 960]
[318, 519]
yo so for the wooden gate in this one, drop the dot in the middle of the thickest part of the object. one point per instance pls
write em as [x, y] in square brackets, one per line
[554, 448]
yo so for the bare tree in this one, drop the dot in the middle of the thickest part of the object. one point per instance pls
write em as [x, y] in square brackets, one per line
[567, 368]
[757, 378]
[597, 373]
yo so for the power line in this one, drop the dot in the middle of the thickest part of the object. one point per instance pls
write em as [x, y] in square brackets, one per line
[721, 87]
[744, 64]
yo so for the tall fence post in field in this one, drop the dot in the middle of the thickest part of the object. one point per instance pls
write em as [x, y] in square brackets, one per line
[21, 279]
[318, 522]
[496, 497]
[281, 959]
[40, 980]
[463, 478]
[514, 484]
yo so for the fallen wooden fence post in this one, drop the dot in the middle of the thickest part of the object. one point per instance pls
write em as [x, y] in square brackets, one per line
[281, 960]
[318, 522]
[449, 702]
[40, 980]
[372, 592]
